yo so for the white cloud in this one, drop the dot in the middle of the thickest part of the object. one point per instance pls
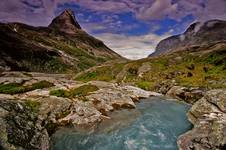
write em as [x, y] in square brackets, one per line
[157, 10]
[41, 12]
[132, 47]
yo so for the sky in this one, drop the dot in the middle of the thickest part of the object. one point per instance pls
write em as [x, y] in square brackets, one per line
[132, 28]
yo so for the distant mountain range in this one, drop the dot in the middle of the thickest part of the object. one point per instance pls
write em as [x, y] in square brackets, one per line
[197, 35]
[61, 47]
[65, 47]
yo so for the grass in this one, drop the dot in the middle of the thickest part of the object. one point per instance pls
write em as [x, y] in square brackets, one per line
[17, 88]
[12, 88]
[40, 85]
[86, 59]
[33, 105]
[83, 90]
[79, 92]
[73, 47]
[59, 93]
[206, 70]
[50, 64]
[104, 73]
[145, 85]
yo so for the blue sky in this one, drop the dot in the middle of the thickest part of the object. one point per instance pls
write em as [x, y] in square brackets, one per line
[130, 27]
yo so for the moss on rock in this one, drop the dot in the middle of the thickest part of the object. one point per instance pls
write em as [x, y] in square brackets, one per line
[80, 92]
[17, 88]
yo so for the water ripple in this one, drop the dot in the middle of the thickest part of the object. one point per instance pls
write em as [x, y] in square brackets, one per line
[154, 125]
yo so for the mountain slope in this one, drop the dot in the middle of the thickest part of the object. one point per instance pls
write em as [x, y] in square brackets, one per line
[203, 67]
[197, 35]
[61, 47]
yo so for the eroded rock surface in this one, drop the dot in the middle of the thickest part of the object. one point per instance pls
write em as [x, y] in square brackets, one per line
[209, 118]
[27, 120]
[189, 95]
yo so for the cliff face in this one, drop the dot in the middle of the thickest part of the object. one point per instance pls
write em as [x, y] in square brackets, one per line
[197, 35]
[62, 46]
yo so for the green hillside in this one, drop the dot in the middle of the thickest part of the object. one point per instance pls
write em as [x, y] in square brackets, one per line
[196, 67]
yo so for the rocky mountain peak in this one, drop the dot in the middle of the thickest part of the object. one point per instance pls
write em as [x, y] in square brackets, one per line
[198, 34]
[65, 22]
[205, 26]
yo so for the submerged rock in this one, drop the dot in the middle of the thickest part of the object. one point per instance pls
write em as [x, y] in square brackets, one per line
[209, 118]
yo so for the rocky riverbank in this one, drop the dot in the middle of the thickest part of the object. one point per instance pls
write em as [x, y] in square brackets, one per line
[208, 115]
[209, 118]
[34, 105]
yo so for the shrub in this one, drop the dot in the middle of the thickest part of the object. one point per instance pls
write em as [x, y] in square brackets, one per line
[133, 71]
[81, 92]
[41, 85]
[12, 88]
[59, 93]
[145, 85]
[16, 88]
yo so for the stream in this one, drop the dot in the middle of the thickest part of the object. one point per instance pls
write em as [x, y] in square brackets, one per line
[155, 124]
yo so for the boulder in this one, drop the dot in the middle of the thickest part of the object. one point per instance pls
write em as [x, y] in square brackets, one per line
[189, 95]
[209, 118]
[28, 119]
[81, 114]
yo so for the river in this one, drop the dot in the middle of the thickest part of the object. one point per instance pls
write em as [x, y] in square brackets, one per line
[155, 124]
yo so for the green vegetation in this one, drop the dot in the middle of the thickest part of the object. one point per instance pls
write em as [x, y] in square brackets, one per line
[80, 92]
[16, 88]
[12, 88]
[104, 73]
[40, 85]
[145, 85]
[53, 51]
[59, 93]
[84, 58]
[33, 105]
[192, 69]
[83, 90]
[56, 65]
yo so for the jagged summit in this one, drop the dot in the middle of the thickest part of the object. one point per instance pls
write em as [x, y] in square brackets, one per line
[65, 22]
[62, 46]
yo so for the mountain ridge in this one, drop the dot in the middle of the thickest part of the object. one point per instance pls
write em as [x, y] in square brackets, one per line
[197, 35]
[61, 47]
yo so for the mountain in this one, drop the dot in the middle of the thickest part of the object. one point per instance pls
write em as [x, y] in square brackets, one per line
[203, 67]
[197, 35]
[63, 46]
[66, 22]
[196, 58]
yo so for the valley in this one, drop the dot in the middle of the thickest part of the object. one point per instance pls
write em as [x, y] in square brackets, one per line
[60, 77]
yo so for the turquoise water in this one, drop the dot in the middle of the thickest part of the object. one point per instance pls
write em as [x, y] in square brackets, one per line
[154, 125]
